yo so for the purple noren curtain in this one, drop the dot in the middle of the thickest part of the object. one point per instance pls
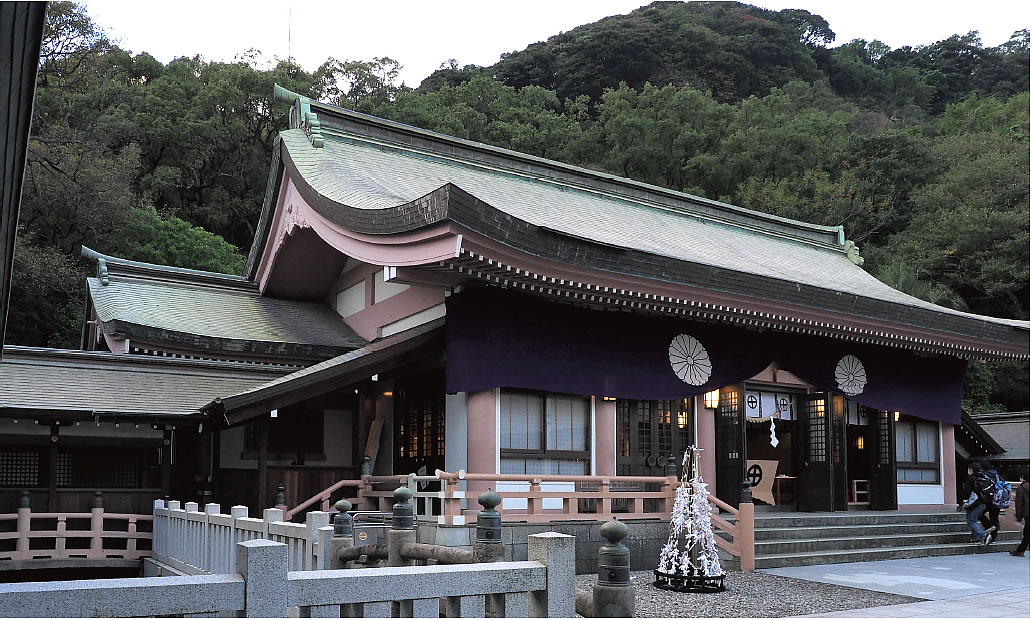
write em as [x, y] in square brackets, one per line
[497, 338]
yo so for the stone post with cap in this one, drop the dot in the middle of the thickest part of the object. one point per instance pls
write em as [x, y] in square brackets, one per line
[488, 546]
[343, 534]
[613, 596]
[402, 527]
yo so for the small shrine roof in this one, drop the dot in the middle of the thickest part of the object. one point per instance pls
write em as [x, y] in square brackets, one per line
[211, 312]
[60, 383]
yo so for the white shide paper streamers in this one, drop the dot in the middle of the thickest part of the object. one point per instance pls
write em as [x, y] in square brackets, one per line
[691, 547]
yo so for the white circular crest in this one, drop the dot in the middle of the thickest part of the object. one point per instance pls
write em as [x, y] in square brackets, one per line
[850, 375]
[690, 360]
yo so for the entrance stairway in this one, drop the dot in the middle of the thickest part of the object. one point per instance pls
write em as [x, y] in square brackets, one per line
[802, 539]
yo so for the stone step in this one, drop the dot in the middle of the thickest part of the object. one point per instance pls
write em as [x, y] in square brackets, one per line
[868, 543]
[796, 520]
[840, 531]
[891, 553]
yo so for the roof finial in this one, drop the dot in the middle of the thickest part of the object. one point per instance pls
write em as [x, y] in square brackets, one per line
[306, 119]
[852, 252]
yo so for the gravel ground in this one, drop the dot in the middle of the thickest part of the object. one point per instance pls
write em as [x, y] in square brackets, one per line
[750, 595]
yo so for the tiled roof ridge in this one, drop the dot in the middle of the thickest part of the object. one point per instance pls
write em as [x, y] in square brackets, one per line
[16, 354]
[243, 289]
[582, 178]
[107, 265]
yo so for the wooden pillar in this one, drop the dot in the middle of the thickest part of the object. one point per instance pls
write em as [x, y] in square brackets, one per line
[482, 438]
[604, 437]
[166, 463]
[216, 462]
[949, 463]
[707, 442]
[52, 468]
[263, 499]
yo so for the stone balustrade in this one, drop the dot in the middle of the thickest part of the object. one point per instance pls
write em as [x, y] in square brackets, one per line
[264, 586]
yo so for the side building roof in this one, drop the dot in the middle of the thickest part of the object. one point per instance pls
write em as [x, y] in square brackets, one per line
[63, 385]
[209, 312]
[376, 177]
[1011, 430]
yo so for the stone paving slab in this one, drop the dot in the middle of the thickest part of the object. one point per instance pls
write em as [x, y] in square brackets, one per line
[932, 578]
[974, 606]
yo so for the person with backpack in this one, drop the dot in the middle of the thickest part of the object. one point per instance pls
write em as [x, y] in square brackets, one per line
[995, 492]
[973, 503]
[1020, 512]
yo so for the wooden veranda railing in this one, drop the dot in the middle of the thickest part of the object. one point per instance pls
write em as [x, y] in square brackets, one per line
[323, 498]
[545, 498]
[742, 530]
[92, 535]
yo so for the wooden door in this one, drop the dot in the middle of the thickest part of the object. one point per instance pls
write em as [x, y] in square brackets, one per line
[884, 484]
[419, 427]
[652, 433]
[730, 444]
[816, 477]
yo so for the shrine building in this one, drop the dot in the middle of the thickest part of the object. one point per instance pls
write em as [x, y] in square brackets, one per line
[435, 303]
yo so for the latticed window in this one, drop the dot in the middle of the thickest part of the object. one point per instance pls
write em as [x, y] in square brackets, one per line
[644, 423]
[19, 469]
[665, 427]
[421, 428]
[816, 428]
[729, 414]
[91, 468]
[623, 427]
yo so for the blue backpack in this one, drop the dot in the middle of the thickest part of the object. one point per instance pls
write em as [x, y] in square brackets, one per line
[993, 489]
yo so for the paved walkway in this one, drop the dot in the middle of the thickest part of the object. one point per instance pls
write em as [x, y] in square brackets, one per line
[985, 585]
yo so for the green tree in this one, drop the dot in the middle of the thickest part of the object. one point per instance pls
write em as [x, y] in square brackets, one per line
[970, 228]
[151, 238]
[360, 85]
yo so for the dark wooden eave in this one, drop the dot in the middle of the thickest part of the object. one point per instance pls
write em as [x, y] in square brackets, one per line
[974, 430]
[411, 346]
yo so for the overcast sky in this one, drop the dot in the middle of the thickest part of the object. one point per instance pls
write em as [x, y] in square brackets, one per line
[423, 34]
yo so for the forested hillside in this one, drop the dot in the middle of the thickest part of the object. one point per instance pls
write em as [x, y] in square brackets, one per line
[920, 153]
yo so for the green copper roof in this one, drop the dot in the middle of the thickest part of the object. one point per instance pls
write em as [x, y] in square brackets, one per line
[361, 173]
[219, 317]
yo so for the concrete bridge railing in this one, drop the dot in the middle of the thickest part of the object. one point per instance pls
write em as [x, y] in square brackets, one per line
[264, 586]
[195, 542]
